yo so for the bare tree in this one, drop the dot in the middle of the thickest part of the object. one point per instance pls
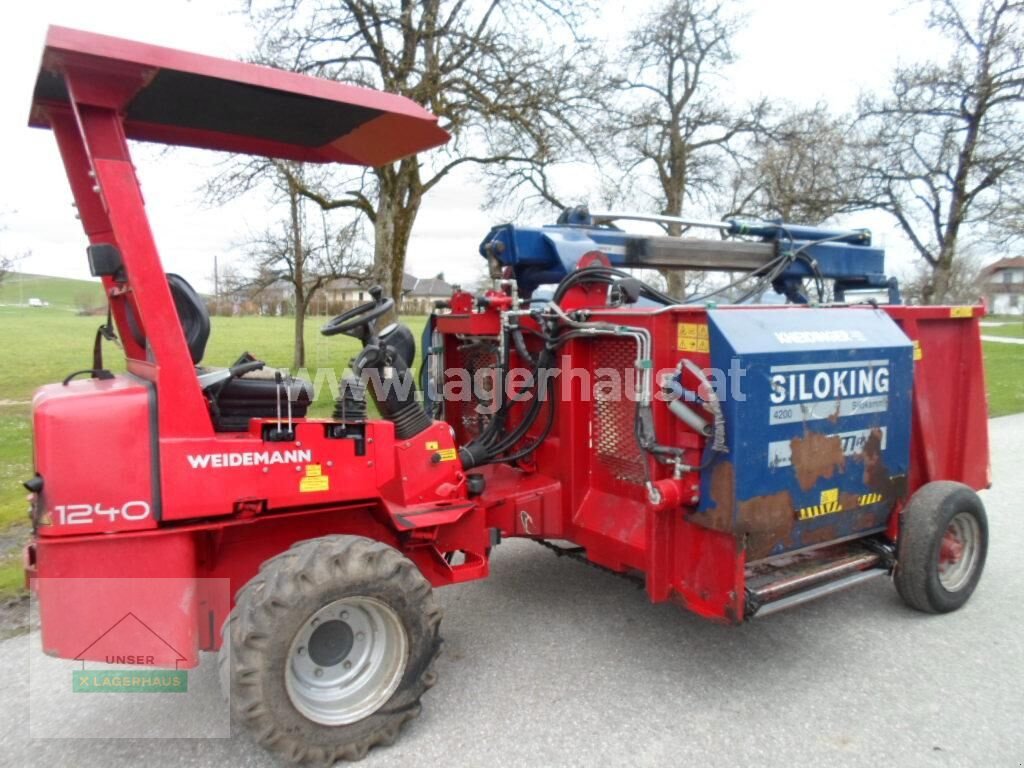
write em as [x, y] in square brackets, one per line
[295, 252]
[963, 285]
[945, 144]
[800, 169]
[502, 77]
[1008, 229]
[9, 261]
[8, 264]
[672, 125]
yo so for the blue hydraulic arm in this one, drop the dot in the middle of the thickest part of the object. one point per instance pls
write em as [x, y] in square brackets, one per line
[788, 254]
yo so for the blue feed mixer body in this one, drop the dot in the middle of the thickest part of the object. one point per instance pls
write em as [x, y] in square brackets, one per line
[819, 434]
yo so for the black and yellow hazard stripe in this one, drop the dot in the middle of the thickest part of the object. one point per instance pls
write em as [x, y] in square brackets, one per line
[828, 508]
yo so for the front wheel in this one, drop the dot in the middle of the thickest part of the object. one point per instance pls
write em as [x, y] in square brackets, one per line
[329, 648]
[942, 547]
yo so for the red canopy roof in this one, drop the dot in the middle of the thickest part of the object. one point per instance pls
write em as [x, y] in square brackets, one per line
[180, 98]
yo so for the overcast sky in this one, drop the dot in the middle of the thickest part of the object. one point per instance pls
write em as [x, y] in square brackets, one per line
[800, 50]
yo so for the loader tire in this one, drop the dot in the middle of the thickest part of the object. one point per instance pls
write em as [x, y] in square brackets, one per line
[329, 649]
[942, 546]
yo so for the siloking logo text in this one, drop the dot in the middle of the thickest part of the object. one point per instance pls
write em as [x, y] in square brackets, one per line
[810, 391]
[808, 383]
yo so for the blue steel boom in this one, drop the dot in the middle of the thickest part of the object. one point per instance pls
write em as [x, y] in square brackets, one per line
[544, 255]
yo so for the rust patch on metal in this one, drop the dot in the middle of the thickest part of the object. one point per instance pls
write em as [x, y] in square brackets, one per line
[897, 486]
[815, 456]
[849, 501]
[767, 521]
[758, 524]
[723, 483]
[818, 535]
[767, 513]
[868, 519]
[876, 474]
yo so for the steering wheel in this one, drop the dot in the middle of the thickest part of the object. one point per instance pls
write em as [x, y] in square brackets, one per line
[358, 321]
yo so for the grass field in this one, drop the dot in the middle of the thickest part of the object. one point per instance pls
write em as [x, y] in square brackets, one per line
[1004, 377]
[1013, 327]
[59, 292]
[41, 345]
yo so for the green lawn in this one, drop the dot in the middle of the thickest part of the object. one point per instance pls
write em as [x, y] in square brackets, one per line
[1004, 376]
[62, 292]
[1014, 328]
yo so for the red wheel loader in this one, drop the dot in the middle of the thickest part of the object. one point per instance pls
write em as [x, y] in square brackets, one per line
[734, 457]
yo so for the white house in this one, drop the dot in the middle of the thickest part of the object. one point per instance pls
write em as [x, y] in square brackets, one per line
[1003, 286]
[418, 294]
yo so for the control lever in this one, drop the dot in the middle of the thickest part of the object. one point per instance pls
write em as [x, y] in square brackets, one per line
[277, 434]
[277, 395]
[288, 399]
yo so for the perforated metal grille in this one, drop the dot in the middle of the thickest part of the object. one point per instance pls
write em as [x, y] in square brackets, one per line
[475, 359]
[612, 432]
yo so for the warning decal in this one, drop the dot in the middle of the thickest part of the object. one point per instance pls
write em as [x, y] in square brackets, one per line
[692, 337]
[314, 480]
[448, 454]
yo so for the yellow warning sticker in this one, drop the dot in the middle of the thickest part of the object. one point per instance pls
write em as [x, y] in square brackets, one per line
[829, 505]
[809, 513]
[432, 445]
[692, 337]
[918, 353]
[961, 311]
[314, 480]
[869, 498]
[448, 454]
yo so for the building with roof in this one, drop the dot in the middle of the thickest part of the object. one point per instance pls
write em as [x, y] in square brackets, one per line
[1002, 284]
[418, 293]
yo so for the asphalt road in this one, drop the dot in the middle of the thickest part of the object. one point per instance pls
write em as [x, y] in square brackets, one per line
[552, 663]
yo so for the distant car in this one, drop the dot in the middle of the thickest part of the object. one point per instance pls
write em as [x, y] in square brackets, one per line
[38, 303]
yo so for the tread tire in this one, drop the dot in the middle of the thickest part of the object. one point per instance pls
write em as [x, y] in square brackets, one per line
[269, 609]
[923, 525]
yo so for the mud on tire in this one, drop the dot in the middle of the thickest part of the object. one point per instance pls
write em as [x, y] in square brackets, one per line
[278, 604]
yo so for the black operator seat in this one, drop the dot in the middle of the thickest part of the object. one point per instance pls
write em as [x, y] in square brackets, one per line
[233, 399]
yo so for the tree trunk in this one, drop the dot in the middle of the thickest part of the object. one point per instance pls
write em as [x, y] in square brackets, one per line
[383, 239]
[940, 283]
[675, 278]
[298, 279]
[392, 229]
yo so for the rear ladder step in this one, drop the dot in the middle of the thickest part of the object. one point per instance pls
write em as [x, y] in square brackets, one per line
[792, 580]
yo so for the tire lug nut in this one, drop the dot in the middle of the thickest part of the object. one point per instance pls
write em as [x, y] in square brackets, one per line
[347, 665]
[318, 672]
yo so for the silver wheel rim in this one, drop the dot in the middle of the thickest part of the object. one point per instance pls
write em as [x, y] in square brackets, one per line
[958, 552]
[346, 660]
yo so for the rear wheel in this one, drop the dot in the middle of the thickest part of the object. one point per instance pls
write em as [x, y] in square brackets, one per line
[329, 649]
[942, 547]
